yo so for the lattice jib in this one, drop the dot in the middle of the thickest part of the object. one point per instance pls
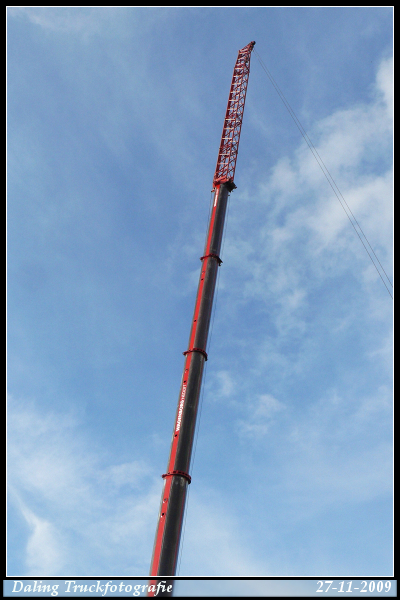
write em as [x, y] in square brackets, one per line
[229, 146]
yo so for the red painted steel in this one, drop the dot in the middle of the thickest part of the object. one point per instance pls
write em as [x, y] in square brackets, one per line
[177, 478]
[229, 146]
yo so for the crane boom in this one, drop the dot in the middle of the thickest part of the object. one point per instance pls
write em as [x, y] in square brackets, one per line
[177, 478]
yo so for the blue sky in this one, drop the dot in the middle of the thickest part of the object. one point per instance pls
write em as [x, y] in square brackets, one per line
[114, 123]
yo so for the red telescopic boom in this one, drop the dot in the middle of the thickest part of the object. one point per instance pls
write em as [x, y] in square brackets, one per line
[177, 478]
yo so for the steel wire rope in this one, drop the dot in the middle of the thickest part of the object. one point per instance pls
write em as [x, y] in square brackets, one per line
[217, 286]
[326, 173]
[183, 533]
[319, 160]
[192, 460]
[210, 335]
[208, 218]
[208, 344]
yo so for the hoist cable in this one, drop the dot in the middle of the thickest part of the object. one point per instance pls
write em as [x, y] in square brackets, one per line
[327, 174]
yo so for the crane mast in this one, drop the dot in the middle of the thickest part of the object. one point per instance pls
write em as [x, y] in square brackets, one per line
[177, 478]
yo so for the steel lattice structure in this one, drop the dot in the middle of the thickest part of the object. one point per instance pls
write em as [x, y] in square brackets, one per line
[229, 146]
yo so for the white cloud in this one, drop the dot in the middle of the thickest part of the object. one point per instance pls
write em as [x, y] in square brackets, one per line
[214, 543]
[305, 272]
[306, 227]
[340, 450]
[66, 19]
[225, 384]
[384, 82]
[261, 411]
[331, 454]
[95, 517]
[121, 475]
[44, 549]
